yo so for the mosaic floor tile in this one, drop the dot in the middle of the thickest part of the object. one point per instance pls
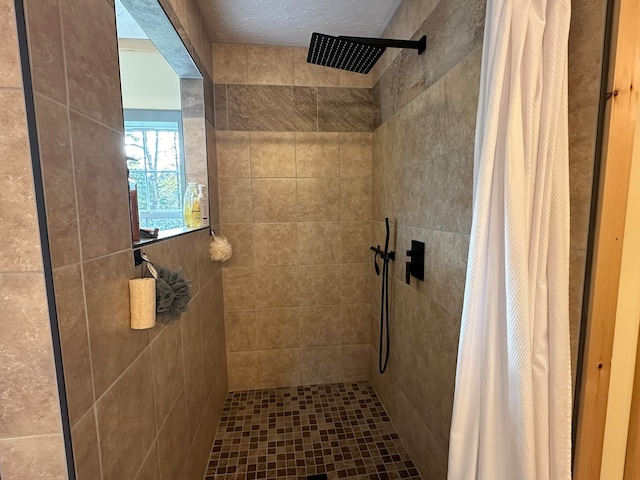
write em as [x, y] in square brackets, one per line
[341, 430]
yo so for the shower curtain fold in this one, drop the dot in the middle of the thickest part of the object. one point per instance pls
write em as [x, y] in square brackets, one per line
[512, 407]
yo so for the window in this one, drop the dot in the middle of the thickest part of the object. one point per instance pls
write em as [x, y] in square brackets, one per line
[155, 158]
[164, 119]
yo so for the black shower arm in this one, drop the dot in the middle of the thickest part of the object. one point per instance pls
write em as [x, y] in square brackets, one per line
[420, 45]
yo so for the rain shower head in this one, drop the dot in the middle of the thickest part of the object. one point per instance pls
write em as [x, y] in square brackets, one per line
[355, 54]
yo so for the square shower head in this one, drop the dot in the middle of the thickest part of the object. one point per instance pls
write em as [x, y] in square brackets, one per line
[343, 52]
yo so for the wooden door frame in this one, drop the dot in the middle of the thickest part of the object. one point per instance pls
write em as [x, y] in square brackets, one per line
[608, 221]
[632, 461]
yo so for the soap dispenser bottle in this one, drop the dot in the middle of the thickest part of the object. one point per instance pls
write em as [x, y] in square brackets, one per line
[203, 200]
[191, 207]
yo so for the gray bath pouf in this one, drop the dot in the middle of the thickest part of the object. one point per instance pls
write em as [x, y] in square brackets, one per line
[173, 292]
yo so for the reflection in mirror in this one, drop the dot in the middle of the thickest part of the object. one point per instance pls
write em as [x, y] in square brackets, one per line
[165, 144]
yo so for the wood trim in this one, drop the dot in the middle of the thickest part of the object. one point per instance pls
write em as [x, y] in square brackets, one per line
[632, 461]
[619, 130]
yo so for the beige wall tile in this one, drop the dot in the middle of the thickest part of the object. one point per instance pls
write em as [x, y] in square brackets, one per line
[57, 165]
[274, 199]
[72, 323]
[320, 365]
[318, 285]
[320, 326]
[31, 457]
[318, 199]
[278, 328]
[355, 80]
[273, 154]
[275, 243]
[91, 51]
[243, 370]
[30, 400]
[317, 154]
[356, 283]
[85, 447]
[98, 153]
[150, 469]
[269, 65]
[187, 248]
[168, 370]
[276, 286]
[278, 368]
[241, 331]
[113, 344]
[355, 363]
[240, 236]
[355, 154]
[235, 200]
[308, 74]
[174, 441]
[19, 251]
[126, 421]
[355, 199]
[239, 288]
[46, 49]
[318, 243]
[355, 324]
[193, 334]
[233, 154]
[11, 75]
[355, 242]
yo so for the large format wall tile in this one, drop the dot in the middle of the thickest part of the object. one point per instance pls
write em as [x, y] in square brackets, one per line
[46, 49]
[113, 344]
[91, 51]
[273, 154]
[344, 110]
[10, 75]
[30, 399]
[275, 243]
[31, 457]
[168, 369]
[274, 199]
[72, 322]
[257, 107]
[86, 452]
[126, 420]
[19, 251]
[98, 156]
[59, 184]
[173, 441]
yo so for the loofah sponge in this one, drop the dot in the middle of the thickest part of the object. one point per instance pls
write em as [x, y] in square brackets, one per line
[173, 293]
[220, 249]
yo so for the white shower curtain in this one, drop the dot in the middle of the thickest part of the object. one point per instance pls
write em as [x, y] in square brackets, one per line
[512, 407]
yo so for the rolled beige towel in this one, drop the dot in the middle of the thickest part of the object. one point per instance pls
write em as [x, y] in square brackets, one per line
[142, 299]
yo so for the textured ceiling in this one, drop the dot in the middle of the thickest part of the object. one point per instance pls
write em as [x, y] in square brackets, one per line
[291, 22]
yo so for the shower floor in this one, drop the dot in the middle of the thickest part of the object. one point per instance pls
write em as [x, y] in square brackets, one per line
[340, 430]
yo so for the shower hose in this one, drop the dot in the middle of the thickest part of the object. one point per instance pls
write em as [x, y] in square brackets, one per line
[386, 255]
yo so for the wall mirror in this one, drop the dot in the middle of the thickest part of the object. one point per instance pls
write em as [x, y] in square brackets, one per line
[164, 124]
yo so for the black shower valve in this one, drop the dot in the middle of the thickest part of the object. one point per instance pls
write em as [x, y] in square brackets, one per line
[415, 267]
